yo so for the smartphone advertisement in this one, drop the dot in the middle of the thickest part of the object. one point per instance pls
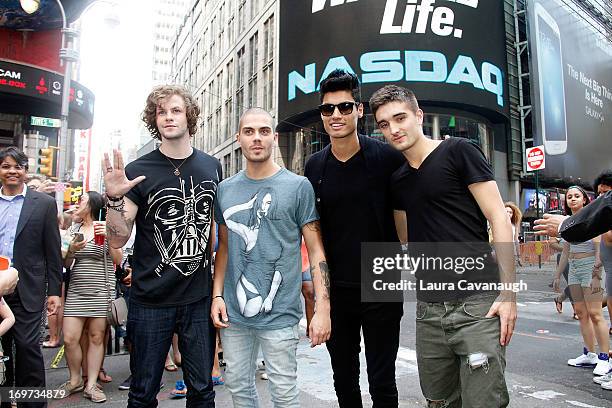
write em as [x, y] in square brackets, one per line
[571, 90]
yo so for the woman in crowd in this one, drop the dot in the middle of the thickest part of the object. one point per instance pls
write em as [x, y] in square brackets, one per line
[516, 217]
[87, 298]
[584, 280]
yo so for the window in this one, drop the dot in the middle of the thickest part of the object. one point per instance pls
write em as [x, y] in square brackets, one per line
[269, 39]
[268, 87]
[226, 164]
[253, 54]
[237, 160]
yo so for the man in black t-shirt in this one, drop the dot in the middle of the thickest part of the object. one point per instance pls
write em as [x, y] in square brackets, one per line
[447, 191]
[169, 194]
[350, 178]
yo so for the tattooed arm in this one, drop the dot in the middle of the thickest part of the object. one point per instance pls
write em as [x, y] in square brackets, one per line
[119, 223]
[320, 326]
[122, 211]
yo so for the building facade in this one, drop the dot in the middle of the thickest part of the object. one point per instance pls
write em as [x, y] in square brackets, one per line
[234, 54]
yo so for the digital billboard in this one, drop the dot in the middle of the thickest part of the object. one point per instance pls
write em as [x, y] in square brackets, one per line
[571, 90]
[450, 53]
[29, 90]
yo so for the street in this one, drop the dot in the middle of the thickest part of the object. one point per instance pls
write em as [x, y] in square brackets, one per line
[537, 373]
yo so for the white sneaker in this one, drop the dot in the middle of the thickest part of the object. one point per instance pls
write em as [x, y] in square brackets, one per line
[607, 385]
[587, 358]
[603, 365]
[602, 379]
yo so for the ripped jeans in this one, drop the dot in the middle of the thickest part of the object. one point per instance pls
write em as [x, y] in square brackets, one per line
[461, 363]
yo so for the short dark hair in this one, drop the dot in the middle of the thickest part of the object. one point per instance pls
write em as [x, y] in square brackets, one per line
[340, 80]
[605, 178]
[393, 93]
[15, 154]
[97, 205]
[255, 111]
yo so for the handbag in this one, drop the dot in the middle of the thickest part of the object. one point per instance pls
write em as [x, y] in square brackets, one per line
[117, 311]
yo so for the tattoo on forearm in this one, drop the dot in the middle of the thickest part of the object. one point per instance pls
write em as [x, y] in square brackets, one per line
[325, 277]
[314, 226]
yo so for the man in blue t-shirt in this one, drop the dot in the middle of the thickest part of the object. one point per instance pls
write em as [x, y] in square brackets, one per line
[262, 213]
[448, 193]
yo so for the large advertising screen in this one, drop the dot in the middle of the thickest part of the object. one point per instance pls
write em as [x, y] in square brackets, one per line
[27, 84]
[450, 53]
[571, 89]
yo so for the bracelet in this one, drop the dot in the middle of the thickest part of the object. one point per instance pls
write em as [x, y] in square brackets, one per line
[119, 207]
[219, 296]
[111, 198]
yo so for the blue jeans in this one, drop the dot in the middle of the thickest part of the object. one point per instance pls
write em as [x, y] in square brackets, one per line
[150, 331]
[279, 348]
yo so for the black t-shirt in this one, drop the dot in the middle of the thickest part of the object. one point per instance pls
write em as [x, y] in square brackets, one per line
[173, 224]
[346, 218]
[440, 207]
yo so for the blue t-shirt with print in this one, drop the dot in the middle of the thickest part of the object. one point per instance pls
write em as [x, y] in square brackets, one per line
[264, 219]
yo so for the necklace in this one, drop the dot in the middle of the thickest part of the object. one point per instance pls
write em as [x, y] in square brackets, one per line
[176, 172]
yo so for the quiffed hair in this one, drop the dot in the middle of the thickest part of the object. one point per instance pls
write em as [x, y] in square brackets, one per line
[340, 80]
[149, 115]
[393, 93]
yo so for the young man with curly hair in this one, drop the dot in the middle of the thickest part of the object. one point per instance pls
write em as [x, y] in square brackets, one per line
[170, 194]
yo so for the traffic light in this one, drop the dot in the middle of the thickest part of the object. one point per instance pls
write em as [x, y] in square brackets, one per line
[45, 162]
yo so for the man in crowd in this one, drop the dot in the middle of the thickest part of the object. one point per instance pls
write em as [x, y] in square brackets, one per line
[350, 179]
[170, 194]
[262, 214]
[30, 237]
[448, 192]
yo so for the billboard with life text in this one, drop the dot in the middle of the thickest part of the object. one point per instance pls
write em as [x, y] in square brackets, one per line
[451, 53]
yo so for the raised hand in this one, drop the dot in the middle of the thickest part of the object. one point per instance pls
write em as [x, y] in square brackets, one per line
[115, 180]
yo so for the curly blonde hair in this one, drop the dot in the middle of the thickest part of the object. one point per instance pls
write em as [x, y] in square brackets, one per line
[149, 115]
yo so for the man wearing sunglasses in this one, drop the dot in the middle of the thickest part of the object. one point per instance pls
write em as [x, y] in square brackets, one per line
[350, 178]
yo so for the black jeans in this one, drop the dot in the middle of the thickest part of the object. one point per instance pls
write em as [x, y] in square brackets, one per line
[150, 331]
[380, 323]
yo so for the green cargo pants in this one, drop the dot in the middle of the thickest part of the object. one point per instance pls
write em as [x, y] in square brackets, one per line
[461, 363]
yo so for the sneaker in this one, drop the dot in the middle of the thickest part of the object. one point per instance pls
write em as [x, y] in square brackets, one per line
[603, 365]
[179, 391]
[126, 384]
[602, 379]
[69, 389]
[94, 394]
[586, 359]
[607, 385]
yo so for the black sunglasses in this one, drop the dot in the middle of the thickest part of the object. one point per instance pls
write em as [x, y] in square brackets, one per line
[345, 108]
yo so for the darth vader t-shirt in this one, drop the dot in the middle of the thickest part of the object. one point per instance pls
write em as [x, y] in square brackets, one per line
[173, 226]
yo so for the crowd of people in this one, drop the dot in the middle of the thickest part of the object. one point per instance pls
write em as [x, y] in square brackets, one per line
[219, 263]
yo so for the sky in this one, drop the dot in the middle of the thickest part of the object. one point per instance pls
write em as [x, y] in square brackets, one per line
[115, 63]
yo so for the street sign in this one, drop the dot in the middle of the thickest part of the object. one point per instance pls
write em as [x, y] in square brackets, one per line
[46, 122]
[535, 158]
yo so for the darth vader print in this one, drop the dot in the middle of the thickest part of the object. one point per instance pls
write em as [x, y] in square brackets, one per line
[182, 218]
